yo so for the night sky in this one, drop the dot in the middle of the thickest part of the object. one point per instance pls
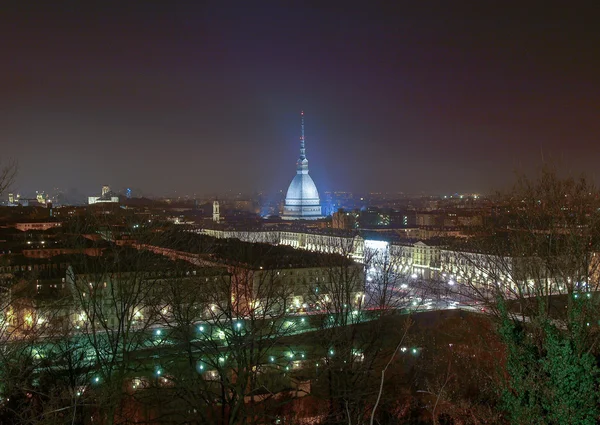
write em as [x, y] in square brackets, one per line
[446, 96]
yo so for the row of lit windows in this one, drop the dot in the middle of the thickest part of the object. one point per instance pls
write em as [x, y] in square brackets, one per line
[29, 267]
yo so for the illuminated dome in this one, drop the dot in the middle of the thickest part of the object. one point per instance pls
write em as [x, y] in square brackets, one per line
[302, 188]
[302, 198]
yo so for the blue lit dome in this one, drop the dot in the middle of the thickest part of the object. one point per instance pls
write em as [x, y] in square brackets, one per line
[302, 191]
[302, 198]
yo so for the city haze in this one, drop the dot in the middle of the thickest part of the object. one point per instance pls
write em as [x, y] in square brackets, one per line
[434, 97]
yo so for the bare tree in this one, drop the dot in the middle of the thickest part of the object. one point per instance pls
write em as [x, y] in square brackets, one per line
[536, 270]
[355, 302]
[8, 172]
[230, 320]
[30, 337]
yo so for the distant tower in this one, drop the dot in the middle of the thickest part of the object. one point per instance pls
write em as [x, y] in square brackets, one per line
[11, 198]
[105, 189]
[216, 213]
[302, 198]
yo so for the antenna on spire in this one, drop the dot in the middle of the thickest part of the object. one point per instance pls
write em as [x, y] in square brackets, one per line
[302, 147]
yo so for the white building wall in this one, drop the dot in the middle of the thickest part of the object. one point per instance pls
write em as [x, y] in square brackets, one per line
[424, 261]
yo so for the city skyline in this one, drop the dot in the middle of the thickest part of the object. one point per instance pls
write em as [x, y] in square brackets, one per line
[203, 99]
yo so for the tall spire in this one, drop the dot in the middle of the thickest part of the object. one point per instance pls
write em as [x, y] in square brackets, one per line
[302, 163]
[302, 147]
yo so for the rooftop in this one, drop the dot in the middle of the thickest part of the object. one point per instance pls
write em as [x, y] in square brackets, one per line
[130, 260]
[253, 255]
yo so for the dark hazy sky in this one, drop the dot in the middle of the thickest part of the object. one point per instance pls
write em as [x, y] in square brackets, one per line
[204, 96]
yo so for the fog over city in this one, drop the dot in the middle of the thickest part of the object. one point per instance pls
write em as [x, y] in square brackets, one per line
[185, 97]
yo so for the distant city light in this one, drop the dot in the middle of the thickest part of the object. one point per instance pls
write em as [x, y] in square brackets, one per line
[371, 244]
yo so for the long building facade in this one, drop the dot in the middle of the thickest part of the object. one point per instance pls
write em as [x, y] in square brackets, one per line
[419, 260]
